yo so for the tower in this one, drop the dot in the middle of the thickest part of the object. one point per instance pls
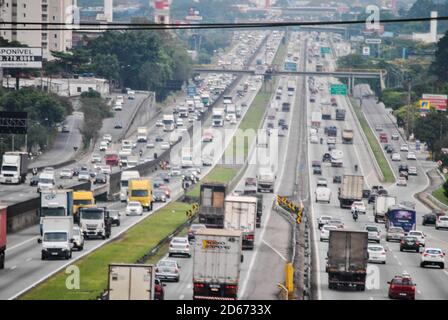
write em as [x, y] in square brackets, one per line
[108, 10]
[433, 27]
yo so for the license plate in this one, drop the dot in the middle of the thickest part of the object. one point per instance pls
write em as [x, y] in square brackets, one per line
[8, 180]
[433, 256]
[214, 289]
[54, 253]
[402, 294]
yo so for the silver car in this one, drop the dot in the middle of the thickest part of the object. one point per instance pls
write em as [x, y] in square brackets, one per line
[168, 270]
[179, 246]
[78, 239]
[394, 233]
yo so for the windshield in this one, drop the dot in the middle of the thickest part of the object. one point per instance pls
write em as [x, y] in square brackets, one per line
[43, 180]
[92, 214]
[55, 236]
[82, 202]
[371, 229]
[139, 193]
[9, 168]
[52, 212]
[124, 183]
[162, 263]
[375, 248]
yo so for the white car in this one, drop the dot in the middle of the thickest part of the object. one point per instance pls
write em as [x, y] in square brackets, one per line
[325, 232]
[404, 147]
[396, 157]
[401, 181]
[412, 171]
[411, 156]
[66, 173]
[78, 239]
[159, 123]
[322, 182]
[150, 145]
[395, 136]
[134, 208]
[432, 256]
[84, 176]
[442, 222]
[179, 122]
[379, 128]
[374, 233]
[331, 140]
[314, 139]
[377, 253]
[103, 145]
[106, 169]
[419, 235]
[96, 158]
[107, 137]
[323, 220]
[164, 145]
[358, 205]
[179, 246]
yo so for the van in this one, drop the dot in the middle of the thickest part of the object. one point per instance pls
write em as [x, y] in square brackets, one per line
[46, 181]
[141, 190]
[323, 194]
[82, 199]
[124, 182]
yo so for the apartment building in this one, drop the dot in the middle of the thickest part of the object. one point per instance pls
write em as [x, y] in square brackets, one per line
[45, 11]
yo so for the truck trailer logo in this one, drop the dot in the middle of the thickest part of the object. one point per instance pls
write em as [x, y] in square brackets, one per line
[213, 244]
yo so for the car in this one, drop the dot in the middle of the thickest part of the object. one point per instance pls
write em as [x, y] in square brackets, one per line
[337, 179]
[115, 217]
[442, 222]
[395, 136]
[326, 157]
[100, 178]
[66, 174]
[179, 122]
[322, 182]
[106, 169]
[429, 219]
[402, 287]
[84, 175]
[150, 144]
[359, 206]
[389, 149]
[377, 253]
[378, 128]
[419, 235]
[164, 145]
[396, 156]
[159, 291]
[412, 171]
[207, 136]
[118, 125]
[34, 181]
[65, 129]
[387, 146]
[193, 228]
[107, 137]
[325, 232]
[317, 168]
[157, 182]
[374, 233]
[48, 170]
[134, 208]
[411, 156]
[331, 140]
[402, 181]
[96, 158]
[323, 220]
[159, 123]
[336, 222]
[103, 145]
[432, 256]
[175, 171]
[394, 233]
[118, 106]
[158, 195]
[207, 160]
[404, 147]
[168, 269]
[409, 243]
[314, 139]
[78, 239]
[179, 246]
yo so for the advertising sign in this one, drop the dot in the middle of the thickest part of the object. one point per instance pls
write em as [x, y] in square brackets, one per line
[438, 101]
[20, 57]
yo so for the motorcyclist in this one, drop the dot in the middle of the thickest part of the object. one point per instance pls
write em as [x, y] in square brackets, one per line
[321, 140]
[355, 214]
[34, 171]
[141, 152]
[356, 167]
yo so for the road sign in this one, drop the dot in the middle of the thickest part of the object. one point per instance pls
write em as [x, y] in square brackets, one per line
[290, 66]
[366, 51]
[438, 101]
[21, 58]
[191, 90]
[324, 50]
[425, 105]
[12, 122]
[373, 41]
[340, 89]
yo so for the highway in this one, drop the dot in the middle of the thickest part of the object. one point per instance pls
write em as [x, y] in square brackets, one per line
[432, 283]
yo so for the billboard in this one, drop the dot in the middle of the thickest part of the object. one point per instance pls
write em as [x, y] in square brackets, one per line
[438, 101]
[21, 57]
[13, 122]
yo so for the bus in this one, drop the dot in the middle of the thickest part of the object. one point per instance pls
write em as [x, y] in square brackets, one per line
[401, 216]
[168, 122]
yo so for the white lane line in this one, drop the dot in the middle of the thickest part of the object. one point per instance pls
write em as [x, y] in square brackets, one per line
[400, 264]
[13, 268]
[275, 250]
[419, 292]
[22, 243]
[446, 272]
[189, 286]
[28, 259]
[181, 297]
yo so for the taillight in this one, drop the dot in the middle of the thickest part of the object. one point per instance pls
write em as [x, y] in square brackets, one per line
[157, 269]
[417, 243]
[383, 253]
[402, 241]
[392, 286]
[250, 237]
[199, 285]
[425, 254]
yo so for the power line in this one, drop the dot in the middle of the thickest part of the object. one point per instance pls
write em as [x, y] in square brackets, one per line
[152, 26]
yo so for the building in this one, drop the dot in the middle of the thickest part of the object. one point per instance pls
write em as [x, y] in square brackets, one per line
[162, 11]
[430, 37]
[51, 11]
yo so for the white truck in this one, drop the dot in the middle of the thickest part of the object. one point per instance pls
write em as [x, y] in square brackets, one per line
[169, 123]
[381, 205]
[218, 117]
[183, 111]
[46, 181]
[131, 281]
[142, 134]
[230, 111]
[262, 139]
[132, 161]
[55, 203]
[240, 213]
[217, 261]
[14, 167]
[227, 100]
[265, 180]
[323, 194]
[124, 181]
[57, 237]
[337, 157]
[316, 119]
[186, 158]
[95, 222]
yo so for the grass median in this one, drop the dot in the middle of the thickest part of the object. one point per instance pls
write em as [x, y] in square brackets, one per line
[128, 248]
[439, 194]
[374, 145]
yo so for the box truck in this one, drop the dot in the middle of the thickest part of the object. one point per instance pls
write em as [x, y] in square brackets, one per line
[240, 213]
[57, 237]
[212, 201]
[381, 205]
[131, 281]
[14, 167]
[347, 136]
[350, 190]
[55, 203]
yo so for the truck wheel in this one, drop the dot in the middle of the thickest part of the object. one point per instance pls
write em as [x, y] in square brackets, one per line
[442, 266]
[2, 261]
[118, 223]
[103, 237]
[67, 255]
[43, 256]
[362, 287]
[81, 248]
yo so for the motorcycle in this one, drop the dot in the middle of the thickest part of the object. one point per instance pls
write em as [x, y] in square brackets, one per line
[356, 168]
[321, 141]
[355, 215]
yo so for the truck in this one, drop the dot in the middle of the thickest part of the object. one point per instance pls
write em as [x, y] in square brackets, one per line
[240, 213]
[337, 157]
[230, 111]
[124, 182]
[131, 281]
[95, 222]
[265, 180]
[141, 190]
[14, 167]
[112, 158]
[347, 259]
[186, 158]
[316, 118]
[212, 203]
[350, 190]
[381, 205]
[3, 218]
[340, 114]
[57, 237]
[55, 203]
[323, 194]
[347, 136]
[169, 123]
[218, 117]
[227, 100]
[262, 139]
[216, 264]
[286, 106]
[82, 199]
[326, 113]
[142, 134]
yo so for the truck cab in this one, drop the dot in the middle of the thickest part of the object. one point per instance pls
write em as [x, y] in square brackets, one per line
[14, 167]
[124, 182]
[218, 117]
[82, 199]
[95, 222]
[57, 237]
[141, 190]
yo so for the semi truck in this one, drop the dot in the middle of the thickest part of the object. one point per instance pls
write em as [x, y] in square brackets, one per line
[57, 237]
[340, 114]
[216, 264]
[218, 117]
[265, 180]
[95, 222]
[347, 136]
[350, 190]
[381, 205]
[142, 134]
[14, 167]
[240, 214]
[131, 281]
[212, 203]
[3, 218]
[326, 113]
[55, 203]
[347, 259]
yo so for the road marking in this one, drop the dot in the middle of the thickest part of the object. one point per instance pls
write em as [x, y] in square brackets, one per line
[13, 268]
[22, 243]
[370, 298]
[28, 259]
[275, 250]
[189, 286]
[181, 297]
[399, 263]
[419, 292]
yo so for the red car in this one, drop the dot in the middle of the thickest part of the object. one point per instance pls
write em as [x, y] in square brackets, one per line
[402, 287]
[159, 292]
[112, 159]
[383, 137]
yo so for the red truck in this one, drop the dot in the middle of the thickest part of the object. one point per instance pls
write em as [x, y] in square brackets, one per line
[2, 236]
[112, 159]
[383, 137]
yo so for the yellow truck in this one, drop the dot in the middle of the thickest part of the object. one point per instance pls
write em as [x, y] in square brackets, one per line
[141, 190]
[82, 199]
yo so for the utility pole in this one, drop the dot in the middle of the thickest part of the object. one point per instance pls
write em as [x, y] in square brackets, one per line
[408, 112]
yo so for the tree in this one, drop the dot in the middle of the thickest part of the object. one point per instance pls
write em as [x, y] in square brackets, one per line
[431, 129]
[439, 65]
